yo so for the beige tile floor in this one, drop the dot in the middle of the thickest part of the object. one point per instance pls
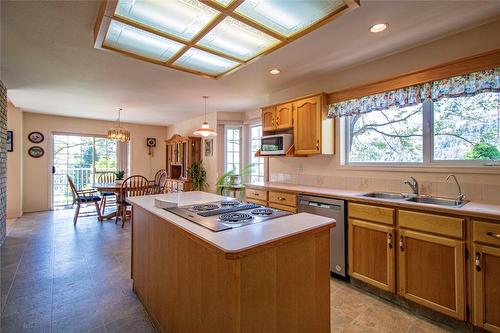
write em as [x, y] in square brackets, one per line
[57, 278]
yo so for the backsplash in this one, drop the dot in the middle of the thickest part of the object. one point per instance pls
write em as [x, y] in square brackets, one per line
[489, 193]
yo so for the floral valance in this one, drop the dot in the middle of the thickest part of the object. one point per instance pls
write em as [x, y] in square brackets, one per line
[457, 86]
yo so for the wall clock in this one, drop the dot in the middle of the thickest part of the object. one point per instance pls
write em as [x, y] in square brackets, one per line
[36, 152]
[35, 137]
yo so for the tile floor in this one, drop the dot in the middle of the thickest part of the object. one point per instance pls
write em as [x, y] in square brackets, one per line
[57, 278]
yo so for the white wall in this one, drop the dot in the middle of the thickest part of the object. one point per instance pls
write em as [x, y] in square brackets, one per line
[37, 176]
[15, 163]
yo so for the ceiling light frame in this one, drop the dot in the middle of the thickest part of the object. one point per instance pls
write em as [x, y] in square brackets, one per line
[107, 14]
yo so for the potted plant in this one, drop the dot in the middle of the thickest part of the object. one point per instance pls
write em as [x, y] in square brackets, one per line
[232, 178]
[198, 176]
[120, 176]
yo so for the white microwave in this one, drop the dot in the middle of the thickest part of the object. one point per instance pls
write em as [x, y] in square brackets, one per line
[277, 144]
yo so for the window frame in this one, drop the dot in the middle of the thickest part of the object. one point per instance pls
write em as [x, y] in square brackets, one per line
[230, 127]
[428, 159]
[250, 153]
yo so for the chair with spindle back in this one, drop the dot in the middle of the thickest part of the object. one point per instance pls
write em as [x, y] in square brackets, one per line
[106, 178]
[157, 186]
[84, 197]
[133, 186]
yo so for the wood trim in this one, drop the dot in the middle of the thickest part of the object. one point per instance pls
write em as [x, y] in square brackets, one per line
[474, 63]
[106, 13]
[478, 289]
[459, 256]
[437, 224]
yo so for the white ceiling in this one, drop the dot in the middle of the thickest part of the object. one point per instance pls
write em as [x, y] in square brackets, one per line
[49, 65]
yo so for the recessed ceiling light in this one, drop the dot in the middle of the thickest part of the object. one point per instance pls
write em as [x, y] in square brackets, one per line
[378, 27]
[274, 71]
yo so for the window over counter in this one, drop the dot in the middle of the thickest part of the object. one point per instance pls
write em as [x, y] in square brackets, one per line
[257, 171]
[232, 148]
[450, 121]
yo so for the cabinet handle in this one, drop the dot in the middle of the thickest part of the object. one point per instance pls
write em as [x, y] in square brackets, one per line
[401, 243]
[256, 194]
[478, 261]
[281, 198]
[389, 240]
[497, 236]
[317, 144]
[277, 121]
[272, 121]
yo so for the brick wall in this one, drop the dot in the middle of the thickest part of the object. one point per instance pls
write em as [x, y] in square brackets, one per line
[3, 162]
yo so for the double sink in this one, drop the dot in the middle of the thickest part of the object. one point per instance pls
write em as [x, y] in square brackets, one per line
[416, 198]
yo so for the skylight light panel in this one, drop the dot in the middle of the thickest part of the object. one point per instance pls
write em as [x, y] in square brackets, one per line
[180, 18]
[237, 39]
[224, 3]
[287, 17]
[129, 39]
[204, 62]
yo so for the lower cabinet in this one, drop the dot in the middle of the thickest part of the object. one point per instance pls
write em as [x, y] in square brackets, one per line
[371, 253]
[431, 271]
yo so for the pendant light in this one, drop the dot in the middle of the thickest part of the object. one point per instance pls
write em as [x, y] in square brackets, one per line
[119, 133]
[205, 130]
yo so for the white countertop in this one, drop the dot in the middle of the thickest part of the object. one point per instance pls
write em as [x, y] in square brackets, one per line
[472, 208]
[232, 240]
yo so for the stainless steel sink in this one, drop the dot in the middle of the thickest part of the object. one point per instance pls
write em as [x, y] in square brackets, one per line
[438, 201]
[385, 195]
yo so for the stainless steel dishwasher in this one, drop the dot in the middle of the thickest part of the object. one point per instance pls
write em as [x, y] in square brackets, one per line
[335, 209]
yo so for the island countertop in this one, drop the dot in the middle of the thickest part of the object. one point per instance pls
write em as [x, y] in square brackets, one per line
[235, 240]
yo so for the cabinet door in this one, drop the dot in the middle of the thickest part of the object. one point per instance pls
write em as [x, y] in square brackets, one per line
[371, 253]
[307, 126]
[268, 119]
[431, 271]
[486, 280]
[283, 116]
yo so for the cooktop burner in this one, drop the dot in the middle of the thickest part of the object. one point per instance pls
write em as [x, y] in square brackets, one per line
[262, 211]
[201, 208]
[230, 203]
[235, 217]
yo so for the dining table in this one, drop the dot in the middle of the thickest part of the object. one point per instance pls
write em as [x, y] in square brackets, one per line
[112, 187]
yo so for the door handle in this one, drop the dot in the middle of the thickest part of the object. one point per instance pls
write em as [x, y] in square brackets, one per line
[478, 262]
[389, 240]
[53, 169]
[497, 236]
[401, 243]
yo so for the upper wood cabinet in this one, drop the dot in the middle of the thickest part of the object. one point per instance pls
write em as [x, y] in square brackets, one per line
[284, 116]
[431, 271]
[268, 115]
[307, 129]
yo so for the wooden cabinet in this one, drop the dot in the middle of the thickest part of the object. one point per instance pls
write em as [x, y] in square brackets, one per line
[283, 201]
[284, 116]
[268, 114]
[307, 130]
[182, 152]
[371, 253]
[485, 259]
[431, 271]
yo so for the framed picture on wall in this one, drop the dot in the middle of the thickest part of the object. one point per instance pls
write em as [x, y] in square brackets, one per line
[10, 141]
[209, 147]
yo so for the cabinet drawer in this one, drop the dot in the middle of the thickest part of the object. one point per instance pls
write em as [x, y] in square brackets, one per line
[257, 202]
[371, 213]
[438, 224]
[283, 207]
[256, 194]
[486, 232]
[281, 198]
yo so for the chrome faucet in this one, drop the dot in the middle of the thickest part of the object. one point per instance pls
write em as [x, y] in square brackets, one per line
[413, 184]
[460, 196]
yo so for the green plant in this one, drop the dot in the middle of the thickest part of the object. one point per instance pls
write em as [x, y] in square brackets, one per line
[198, 176]
[120, 175]
[229, 177]
[483, 151]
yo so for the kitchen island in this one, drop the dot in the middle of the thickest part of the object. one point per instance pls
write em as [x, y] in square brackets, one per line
[272, 276]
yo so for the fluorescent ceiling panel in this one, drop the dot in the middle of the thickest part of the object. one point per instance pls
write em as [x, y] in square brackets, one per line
[287, 17]
[237, 39]
[129, 39]
[201, 61]
[180, 18]
[224, 3]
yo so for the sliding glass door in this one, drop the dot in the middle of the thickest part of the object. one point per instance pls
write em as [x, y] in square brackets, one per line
[81, 157]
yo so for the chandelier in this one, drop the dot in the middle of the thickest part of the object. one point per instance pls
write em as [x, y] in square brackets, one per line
[119, 133]
[205, 130]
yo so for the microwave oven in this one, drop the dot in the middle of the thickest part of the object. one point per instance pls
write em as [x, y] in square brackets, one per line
[277, 144]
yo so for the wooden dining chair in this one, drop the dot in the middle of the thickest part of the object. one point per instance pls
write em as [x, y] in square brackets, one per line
[133, 186]
[107, 178]
[84, 197]
[157, 186]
